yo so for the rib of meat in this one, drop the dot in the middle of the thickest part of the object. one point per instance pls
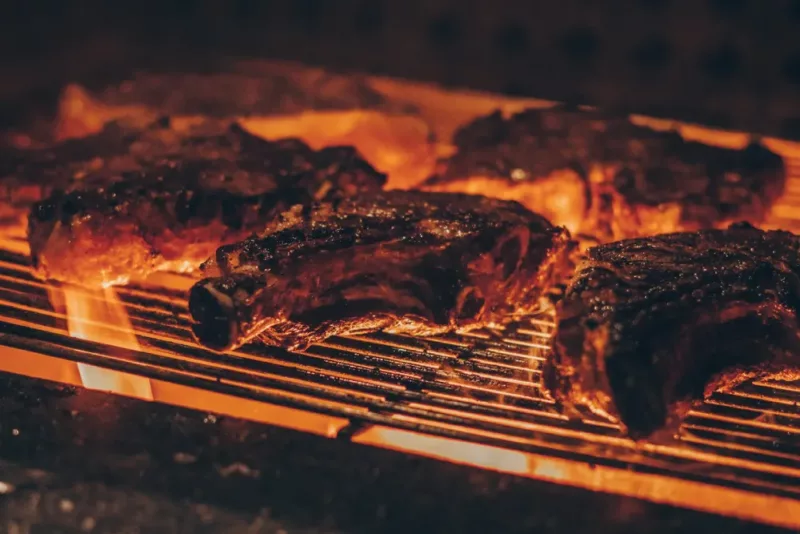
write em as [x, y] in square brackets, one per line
[649, 325]
[604, 176]
[407, 262]
[174, 196]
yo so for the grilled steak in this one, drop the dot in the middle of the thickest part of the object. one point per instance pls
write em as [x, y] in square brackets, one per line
[317, 107]
[407, 262]
[29, 175]
[175, 196]
[649, 325]
[602, 175]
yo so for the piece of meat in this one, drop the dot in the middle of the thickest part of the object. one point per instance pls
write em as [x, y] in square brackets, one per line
[175, 196]
[649, 325]
[405, 262]
[30, 175]
[317, 107]
[604, 176]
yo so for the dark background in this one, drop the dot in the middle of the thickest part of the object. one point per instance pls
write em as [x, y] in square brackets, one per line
[733, 63]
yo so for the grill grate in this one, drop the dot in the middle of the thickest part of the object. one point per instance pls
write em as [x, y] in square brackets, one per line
[470, 398]
[473, 399]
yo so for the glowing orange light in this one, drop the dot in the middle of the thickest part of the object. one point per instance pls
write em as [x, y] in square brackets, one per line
[395, 144]
[100, 316]
[399, 145]
[475, 454]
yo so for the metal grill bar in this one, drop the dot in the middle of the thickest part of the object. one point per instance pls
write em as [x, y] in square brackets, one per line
[740, 449]
[470, 398]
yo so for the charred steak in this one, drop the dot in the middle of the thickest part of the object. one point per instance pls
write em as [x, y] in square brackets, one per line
[647, 326]
[604, 176]
[320, 108]
[405, 262]
[169, 202]
[30, 175]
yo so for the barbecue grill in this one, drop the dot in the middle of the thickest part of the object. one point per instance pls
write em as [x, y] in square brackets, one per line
[471, 398]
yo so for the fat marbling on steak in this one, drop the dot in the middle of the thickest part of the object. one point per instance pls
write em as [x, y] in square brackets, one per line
[174, 195]
[405, 262]
[649, 325]
[602, 175]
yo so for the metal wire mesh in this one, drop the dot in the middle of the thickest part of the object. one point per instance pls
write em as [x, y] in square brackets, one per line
[480, 389]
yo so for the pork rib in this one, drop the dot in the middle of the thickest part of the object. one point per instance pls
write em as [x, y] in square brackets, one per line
[170, 203]
[647, 326]
[602, 175]
[407, 262]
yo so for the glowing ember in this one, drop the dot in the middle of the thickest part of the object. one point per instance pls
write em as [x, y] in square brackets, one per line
[100, 316]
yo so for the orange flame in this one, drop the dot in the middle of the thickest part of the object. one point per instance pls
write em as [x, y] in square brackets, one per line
[100, 316]
[398, 145]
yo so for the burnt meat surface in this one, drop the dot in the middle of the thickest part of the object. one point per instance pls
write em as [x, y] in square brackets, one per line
[100, 159]
[647, 326]
[173, 196]
[408, 262]
[29, 175]
[636, 180]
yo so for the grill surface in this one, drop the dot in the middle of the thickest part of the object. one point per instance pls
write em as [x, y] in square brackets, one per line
[474, 399]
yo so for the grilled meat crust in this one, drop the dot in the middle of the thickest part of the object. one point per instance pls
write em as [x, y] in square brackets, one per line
[648, 326]
[406, 262]
[169, 203]
[30, 175]
[320, 108]
[100, 159]
[604, 176]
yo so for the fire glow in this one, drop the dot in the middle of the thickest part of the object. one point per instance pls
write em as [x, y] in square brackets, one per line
[99, 316]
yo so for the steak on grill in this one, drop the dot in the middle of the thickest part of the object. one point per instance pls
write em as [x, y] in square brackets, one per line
[174, 196]
[648, 326]
[320, 108]
[29, 175]
[406, 262]
[604, 176]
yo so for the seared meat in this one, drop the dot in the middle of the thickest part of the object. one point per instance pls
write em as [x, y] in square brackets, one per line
[175, 196]
[406, 262]
[29, 175]
[319, 108]
[649, 325]
[604, 176]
